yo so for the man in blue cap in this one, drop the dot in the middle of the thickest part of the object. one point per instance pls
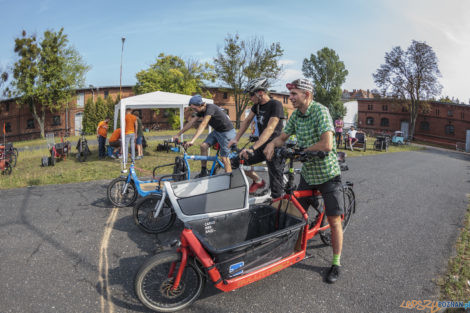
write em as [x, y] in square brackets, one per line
[223, 130]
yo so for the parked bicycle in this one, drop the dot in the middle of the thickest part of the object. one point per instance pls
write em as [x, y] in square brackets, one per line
[10, 153]
[83, 151]
[228, 242]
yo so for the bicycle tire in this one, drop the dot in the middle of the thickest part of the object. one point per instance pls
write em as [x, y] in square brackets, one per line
[153, 286]
[15, 151]
[53, 161]
[12, 158]
[349, 209]
[8, 169]
[143, 214]
[115, 195]
[82, 151]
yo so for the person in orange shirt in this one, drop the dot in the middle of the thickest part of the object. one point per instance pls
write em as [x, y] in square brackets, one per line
[115, 142]
[131, 127]
[101, 134]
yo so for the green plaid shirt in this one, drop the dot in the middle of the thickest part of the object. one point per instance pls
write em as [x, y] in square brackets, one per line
[308, 128]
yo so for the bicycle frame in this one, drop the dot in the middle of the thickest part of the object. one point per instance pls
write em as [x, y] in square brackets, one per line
[132, 176]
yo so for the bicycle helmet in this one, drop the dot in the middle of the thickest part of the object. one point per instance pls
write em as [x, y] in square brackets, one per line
[301, 83]
[256, 84]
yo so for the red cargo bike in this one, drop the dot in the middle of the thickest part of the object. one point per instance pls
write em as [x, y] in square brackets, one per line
[229, 242]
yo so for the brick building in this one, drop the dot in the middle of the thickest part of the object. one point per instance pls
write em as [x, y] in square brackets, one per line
[21, 125]
[442, 123]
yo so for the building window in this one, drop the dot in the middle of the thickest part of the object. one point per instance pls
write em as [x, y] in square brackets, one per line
[462, 115]
[424, 125]
[225, 95]
[370, 107]
[286, 99]
[30, 124]
[370, 121]
[437, 112]
[7, 107]
[7, 127]
[106, 94]
[449, 129]
[81, 100]
[404, 109]
[56, 120]
[450, 113]
[384, 107]
[384, 122]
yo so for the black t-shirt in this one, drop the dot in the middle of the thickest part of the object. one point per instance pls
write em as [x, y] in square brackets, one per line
[272, 108]
[219, 121]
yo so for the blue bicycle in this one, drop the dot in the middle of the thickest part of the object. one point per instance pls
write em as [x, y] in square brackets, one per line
[124, 190]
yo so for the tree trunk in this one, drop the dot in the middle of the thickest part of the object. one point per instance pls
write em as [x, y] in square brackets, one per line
[39, 119]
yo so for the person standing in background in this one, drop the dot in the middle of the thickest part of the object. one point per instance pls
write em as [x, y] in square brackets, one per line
[101, 134]
[139, 136]
[339, 124]
[130, 129]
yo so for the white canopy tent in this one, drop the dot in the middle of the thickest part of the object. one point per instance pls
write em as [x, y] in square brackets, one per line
[152, 100]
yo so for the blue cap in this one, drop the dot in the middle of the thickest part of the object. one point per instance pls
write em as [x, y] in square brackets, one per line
[196, 100]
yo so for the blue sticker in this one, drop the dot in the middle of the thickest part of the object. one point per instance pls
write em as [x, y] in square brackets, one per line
[236, 266]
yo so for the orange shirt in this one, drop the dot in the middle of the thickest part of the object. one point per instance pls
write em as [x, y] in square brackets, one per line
[116, 135]
[130, 123]
[103, 129]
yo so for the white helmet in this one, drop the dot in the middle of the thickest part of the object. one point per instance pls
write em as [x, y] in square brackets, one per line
[256, 84]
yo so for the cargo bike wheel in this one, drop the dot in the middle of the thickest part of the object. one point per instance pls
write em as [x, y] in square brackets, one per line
[154, 283]
[115, 195]
[144, 214]
[349, 209]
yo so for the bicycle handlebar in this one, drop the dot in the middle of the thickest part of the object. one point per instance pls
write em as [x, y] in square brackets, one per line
[300, 154]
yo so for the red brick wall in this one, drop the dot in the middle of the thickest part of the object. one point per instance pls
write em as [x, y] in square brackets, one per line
[437, 116]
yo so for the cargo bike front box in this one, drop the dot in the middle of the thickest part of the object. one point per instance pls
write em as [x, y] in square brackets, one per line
[240, 238]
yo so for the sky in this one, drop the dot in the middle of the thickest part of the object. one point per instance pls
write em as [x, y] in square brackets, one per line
[360, 31]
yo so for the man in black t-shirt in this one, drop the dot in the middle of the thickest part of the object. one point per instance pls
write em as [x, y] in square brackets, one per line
[269, 114]
[223, 130]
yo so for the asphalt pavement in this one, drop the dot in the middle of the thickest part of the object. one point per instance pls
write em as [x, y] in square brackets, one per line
[64, 248]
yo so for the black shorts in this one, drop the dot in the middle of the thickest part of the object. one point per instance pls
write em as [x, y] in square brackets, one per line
[332, 194]
[275, 170]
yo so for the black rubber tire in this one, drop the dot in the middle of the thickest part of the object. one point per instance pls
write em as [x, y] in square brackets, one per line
[52, 158]
[82, 151]
[152, 284]
[12, 159]
[8, 169]
[15, 151]
[143, 214]
[349, 209]
[114, 192]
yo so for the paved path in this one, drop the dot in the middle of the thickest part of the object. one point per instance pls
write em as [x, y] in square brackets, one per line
[63, 248]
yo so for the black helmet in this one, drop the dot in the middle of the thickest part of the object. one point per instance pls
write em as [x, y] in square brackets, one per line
[256, 84]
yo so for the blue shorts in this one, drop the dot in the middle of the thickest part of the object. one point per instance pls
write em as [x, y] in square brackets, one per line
[138, 141]
[222, 139]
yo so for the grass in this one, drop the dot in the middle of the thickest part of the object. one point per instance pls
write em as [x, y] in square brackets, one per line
[371, 151]
[455, 286]
[28, 171]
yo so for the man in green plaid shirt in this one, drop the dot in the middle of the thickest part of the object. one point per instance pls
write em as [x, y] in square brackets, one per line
[312, 124]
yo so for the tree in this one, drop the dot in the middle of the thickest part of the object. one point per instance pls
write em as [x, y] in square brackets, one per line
[411, 76]
[171, 74]
[243, 60]
[46, 74]
[328, 73]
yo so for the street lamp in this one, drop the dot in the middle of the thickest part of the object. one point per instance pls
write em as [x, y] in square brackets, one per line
[92, 92]
[120, 76]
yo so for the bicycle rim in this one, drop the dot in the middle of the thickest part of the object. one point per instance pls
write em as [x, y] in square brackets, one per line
[154, 287]
[144, 212]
